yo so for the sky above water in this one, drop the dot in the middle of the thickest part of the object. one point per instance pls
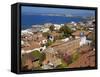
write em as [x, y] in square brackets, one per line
[29, 10]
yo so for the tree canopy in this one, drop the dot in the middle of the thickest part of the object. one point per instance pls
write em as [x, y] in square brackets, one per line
[52, 28]
[65, 30]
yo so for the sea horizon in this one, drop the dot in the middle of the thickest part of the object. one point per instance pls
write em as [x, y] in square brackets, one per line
[28, 20]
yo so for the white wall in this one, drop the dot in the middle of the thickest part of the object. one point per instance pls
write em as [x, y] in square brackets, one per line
[5, 19]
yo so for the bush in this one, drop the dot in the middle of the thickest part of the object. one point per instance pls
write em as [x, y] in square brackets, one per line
[43, 56]
[49, 42]
[75, 56]
[39, 56]
[67, 58]
[66, 30]
[61, 37]
[36, 54]
[63, 65]
[51, 28]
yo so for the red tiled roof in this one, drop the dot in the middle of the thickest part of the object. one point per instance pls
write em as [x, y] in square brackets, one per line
[77, 33]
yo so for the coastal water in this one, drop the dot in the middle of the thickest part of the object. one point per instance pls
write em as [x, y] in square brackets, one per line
[28, 20]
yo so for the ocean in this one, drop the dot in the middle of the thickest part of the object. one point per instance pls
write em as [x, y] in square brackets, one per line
[28, 20]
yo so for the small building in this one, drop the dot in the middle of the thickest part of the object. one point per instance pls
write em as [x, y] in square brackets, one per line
[44, 29]
[65, 40]
[82, 35]
[77, 33]
[36, 28]
[73, 23]
[55, 35]
[57, 26]
[82, 38]
[26, 35]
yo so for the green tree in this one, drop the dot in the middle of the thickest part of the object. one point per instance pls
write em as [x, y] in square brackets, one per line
[49, 42]
[52, 28]
[38, 55]
[65, 30]
[75, 56]
[43, 57]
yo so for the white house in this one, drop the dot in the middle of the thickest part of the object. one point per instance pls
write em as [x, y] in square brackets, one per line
[44, 41]
[44, 29]
[82, 40]
[26, 32]
[65, 40]
[51, 38]
[22, 42]
[57, 26]
[73, 23]
[91, 29]
[82, 36]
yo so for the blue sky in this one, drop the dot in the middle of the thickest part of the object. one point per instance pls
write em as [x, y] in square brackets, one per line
[28, 10]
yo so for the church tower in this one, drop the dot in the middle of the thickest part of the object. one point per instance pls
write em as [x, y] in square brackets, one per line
[82, 39]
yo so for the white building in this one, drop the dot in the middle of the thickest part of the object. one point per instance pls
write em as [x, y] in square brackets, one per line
[51, 38]
[73, 23]
[57, 26]
[44, 29]
[65, 40]
[22, 42]
[82, 40]
[27, 31]
[82, 37]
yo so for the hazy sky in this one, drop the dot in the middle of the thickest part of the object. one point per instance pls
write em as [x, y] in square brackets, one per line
[28, 10]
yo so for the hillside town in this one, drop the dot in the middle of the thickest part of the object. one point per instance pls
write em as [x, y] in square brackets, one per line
[54, 46]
